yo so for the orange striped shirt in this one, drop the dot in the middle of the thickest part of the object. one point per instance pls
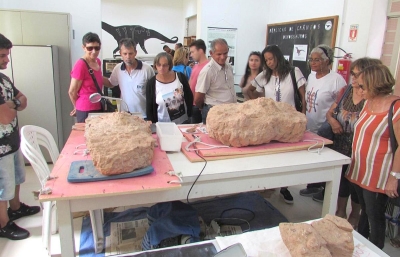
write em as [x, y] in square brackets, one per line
[372, 154]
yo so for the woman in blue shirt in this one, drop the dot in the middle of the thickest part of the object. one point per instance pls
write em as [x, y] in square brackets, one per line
[181, 58]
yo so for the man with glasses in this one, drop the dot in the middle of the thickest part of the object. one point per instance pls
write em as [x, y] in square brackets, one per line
[131, 75]
[12, 172]
[215, 84]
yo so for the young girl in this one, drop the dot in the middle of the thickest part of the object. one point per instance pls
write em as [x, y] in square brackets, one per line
[253, 68]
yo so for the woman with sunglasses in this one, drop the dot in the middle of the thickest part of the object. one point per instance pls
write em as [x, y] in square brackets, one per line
[342, 122]
[276, 82]
[375, 165]
[323, 86]
[82, 84]
[253, 68]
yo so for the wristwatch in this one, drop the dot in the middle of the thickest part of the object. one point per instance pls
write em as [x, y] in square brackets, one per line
[17, 103]
[395, 174]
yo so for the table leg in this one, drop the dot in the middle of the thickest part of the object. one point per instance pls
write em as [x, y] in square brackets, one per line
[331, 192]
[96, 218]
[66, 229]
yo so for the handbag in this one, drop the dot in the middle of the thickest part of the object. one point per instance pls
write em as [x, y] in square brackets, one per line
[297, 98]
[106, 105]
[326, 130]
[394, 145]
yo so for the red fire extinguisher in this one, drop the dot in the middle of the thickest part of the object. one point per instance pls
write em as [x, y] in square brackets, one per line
[343, 67]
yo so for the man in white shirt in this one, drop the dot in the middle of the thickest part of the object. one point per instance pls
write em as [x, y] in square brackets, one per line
[131, 75]
[215, 84]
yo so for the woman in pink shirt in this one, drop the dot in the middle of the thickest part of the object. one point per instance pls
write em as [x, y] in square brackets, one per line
[82, 84]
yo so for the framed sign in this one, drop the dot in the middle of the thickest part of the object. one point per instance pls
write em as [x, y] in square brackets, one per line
[296, 39]
[230, 35]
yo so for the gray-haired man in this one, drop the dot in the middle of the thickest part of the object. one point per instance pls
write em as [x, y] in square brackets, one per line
[215, 84]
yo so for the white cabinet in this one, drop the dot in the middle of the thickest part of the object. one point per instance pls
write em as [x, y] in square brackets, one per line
[43, 28]
[35, 74]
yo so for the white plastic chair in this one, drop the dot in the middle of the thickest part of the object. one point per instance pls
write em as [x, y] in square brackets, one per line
[32, 137]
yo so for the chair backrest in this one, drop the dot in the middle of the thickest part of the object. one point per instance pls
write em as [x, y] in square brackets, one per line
[32, 137]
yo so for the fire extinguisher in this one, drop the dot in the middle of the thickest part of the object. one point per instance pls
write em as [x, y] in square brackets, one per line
[343, 67]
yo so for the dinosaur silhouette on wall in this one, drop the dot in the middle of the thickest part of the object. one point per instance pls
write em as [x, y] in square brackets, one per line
[138, 33]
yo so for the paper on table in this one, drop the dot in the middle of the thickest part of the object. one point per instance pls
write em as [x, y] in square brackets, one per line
[265, 243]
[268, 243]
[361, 250]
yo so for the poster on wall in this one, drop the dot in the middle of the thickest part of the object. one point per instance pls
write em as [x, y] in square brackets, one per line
[230, 35]
[297, 38]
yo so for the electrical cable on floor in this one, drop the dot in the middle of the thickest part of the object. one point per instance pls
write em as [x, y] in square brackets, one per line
[238, 208]
[205, 164]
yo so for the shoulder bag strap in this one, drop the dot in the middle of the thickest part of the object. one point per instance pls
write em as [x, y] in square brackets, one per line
[346, 92]
[91, 72]
[294, 81]
[393, 141]
[296, 91]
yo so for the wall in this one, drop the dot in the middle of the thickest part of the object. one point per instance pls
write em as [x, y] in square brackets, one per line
[249, 17]
[166, 17]
[85, 16]
[189, 8]
[190, 16]
[369, 15]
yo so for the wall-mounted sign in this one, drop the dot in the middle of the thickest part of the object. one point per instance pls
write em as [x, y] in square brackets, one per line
[297, 38]
[229, 34]
[353, 33]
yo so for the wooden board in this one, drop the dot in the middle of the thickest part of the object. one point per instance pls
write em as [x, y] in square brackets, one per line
[235, 152]
[62, 190]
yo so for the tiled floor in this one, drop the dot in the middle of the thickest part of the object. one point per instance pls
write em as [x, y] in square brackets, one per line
[303, 209]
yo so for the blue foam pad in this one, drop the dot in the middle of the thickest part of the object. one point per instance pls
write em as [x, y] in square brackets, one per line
[84, 171]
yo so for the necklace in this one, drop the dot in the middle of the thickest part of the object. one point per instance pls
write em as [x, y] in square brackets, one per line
[348, 103]
[376, 104]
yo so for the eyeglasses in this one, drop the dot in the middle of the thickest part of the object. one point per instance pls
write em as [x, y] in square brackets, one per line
[355, 74]
[314, 60]
[90, 48]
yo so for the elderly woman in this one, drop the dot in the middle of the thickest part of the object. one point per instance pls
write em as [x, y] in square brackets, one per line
[350, 102]
[168, 94]
[82, 84]
[180, 61]
[375, 165]
[322, 88]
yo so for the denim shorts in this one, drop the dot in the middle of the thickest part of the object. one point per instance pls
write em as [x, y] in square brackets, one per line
[12, 173]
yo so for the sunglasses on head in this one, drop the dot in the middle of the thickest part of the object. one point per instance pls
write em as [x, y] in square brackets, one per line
[90, 48]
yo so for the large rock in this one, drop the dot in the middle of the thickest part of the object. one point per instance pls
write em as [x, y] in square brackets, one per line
[119, 143]
[340, 242]
[255, 122]
[302, 240]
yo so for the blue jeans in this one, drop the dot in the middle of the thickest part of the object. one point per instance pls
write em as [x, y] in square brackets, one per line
[196, 115]
[204, 112]
[81, 116]
[372, 224]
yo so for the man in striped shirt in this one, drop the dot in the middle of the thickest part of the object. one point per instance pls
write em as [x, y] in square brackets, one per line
[215, 84]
